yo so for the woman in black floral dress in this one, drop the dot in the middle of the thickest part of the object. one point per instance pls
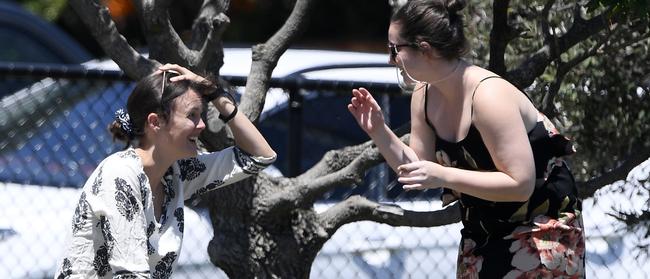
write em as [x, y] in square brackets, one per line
[129, 221]
[482, 139]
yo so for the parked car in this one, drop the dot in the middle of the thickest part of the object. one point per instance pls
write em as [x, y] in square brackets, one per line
[26, 38]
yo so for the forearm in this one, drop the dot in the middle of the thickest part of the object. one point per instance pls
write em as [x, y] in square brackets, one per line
[246, 135]
[493, 186]
[395, 151]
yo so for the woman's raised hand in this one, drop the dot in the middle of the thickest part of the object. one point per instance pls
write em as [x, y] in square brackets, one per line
[183, 74]
[366, 110]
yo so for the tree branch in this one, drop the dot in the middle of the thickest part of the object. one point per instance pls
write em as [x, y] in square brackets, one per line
[164, 43]
[588, 188]
[304, 192]
[207, 31]
[357, 208]
[334, 160]
[98, 19]
[548, 33]
[548, 107]
[499, 37]
[524, 75]
[266, 56]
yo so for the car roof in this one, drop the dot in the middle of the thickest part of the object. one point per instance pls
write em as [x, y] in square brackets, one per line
[310, 63]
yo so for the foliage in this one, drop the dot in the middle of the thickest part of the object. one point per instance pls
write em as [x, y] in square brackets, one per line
[48, 10]
[603, 102]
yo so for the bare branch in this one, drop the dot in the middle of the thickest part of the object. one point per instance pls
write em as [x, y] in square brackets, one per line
[164, 43]
[302, 192]
[207, 31]
[357, 208]
[305, 192]
[266, 56]
[334, 160]
[213, 41]
[588, 188]
[98, 19]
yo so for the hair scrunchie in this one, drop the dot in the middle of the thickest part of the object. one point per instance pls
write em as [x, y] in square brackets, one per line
[124, 119]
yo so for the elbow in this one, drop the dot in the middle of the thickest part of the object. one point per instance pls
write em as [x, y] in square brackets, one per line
[524, 190]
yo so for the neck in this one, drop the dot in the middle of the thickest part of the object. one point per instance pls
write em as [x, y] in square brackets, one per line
[153, 163]
[451, 70]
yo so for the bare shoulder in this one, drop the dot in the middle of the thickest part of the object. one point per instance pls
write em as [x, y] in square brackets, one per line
[418, 96]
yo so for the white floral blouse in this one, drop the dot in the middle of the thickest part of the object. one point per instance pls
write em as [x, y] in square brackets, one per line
[114, 231]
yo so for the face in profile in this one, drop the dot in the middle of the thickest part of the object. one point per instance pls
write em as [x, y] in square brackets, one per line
[181, 131]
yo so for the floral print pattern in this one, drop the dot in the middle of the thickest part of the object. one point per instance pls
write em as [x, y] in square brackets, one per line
[550, 246]
[469, 265]
[546, 240]
[116, 210]
[539, 238]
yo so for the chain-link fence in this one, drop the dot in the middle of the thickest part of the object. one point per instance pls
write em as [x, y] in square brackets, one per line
[53, 125]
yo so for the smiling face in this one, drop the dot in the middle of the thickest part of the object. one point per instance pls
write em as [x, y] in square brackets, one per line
[179, 134]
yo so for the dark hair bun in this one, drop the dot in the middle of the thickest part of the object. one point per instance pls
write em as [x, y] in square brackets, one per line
[118, 133]
[454, 6]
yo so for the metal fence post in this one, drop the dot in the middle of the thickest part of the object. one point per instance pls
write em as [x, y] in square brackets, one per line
[294, 144]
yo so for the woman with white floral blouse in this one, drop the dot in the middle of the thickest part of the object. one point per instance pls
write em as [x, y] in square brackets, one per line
[129, 219]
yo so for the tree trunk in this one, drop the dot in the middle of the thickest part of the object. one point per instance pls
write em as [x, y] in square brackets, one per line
[250, 243]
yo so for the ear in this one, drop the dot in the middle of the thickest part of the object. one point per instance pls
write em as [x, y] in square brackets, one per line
[154, 121]
[428, 50]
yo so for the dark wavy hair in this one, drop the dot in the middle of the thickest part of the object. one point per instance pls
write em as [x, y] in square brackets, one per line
[147, 98]
[436, 22]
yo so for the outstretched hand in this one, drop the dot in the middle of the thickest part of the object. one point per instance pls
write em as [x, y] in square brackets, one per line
[365, 110]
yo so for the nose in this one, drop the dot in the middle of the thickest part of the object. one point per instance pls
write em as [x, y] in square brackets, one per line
[201, 125]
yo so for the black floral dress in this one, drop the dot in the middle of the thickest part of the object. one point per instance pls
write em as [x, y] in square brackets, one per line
[540, 238]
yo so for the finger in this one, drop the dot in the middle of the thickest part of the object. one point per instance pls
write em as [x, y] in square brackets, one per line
[408, 167]
[353, 110]
[373, 103]
[410, 180]
[409, 187]
[357, 94]
[355, 102]
[168, 67]
[177, 78]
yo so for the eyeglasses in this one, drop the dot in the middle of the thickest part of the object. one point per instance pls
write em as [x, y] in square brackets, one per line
[394, 49]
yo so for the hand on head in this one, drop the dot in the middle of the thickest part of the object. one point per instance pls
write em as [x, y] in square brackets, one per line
[183, 74]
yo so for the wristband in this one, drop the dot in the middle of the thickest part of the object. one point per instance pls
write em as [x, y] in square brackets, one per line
[225, 119]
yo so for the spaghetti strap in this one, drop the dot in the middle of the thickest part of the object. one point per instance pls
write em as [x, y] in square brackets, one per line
[426, 99]
[474, 92]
